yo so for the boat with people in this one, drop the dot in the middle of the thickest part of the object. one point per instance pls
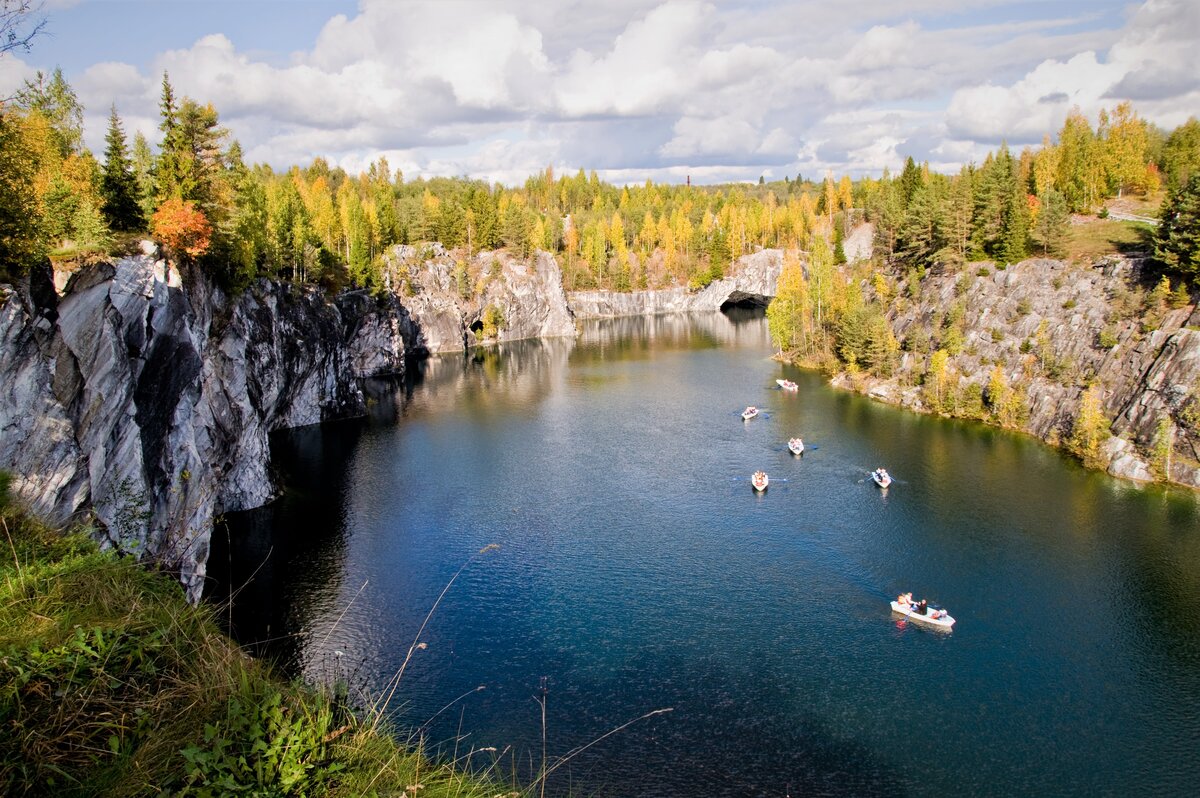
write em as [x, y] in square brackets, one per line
[881, 477]
[795, 446]
[759, 481]
[750, 412]
[787, 385]
[921, 612]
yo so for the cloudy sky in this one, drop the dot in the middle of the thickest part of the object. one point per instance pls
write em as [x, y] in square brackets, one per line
[635, 89]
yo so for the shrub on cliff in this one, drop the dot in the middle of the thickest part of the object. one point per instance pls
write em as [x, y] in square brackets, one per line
[1090, 429]
[182, 228]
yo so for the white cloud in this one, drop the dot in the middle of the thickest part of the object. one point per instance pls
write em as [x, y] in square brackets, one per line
[666, 88]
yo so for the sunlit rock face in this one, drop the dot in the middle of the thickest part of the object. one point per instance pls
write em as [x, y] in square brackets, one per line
[752, 281]
[449, 295]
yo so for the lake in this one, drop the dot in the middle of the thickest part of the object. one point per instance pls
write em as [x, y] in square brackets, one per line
[637, 571]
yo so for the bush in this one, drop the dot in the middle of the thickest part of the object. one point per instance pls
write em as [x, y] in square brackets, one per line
[1069, 304]
[1107, 338]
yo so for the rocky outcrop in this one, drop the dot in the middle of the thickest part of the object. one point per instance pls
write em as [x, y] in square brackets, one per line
[752, 281]
[148, 406]
[1053, 328]
[448, 297]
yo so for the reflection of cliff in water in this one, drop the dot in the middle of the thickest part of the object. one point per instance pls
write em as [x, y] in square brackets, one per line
[633, 336]
[487, 379]
[282, 582]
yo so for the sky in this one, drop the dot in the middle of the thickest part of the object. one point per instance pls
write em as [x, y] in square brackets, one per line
[634, 89]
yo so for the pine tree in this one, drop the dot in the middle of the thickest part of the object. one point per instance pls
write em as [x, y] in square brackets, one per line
[922, 236]
[118, 185]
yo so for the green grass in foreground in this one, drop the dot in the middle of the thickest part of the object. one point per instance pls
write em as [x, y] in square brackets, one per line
[111, 684]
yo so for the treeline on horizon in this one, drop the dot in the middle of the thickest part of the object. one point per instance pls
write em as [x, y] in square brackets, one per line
[318, 224]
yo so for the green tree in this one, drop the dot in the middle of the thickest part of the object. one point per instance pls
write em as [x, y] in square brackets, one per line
[19, 215]
[1177, 240]
[1181, 154]
[118, 186]
[142, 164]
[54, 99]
[922, 236]
[1080, 163]
[1053, 220]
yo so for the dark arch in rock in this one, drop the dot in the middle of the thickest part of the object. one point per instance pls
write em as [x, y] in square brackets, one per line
[743, 300]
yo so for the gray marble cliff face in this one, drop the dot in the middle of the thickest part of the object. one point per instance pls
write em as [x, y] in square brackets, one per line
[148, 405]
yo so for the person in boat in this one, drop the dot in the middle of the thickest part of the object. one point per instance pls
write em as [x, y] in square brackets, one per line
[922, 607]
[904, 600]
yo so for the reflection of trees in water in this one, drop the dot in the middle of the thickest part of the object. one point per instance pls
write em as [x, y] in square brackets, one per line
[637, 336]
[491, 379]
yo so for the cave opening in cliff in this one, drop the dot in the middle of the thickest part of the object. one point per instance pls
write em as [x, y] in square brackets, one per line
[741, 302]
[477, 326]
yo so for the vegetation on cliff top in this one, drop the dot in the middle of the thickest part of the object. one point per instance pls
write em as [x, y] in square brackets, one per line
[319, 224]
[110, 684]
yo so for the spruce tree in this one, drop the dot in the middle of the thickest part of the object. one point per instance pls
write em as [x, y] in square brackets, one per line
[143, 166]
[167, 167]
[1177, 241]
[118, 186]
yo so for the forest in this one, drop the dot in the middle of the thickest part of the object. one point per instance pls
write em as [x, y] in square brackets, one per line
[193, 191]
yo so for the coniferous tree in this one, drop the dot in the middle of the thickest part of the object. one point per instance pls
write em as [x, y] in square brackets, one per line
[167, 178]
[118, 185]
[910, 181]
[1052, 222]
[1181, 154]
[143, 166]
[1177, 240]
[922, 235]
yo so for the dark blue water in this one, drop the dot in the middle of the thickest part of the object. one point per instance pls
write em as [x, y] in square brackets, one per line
[637, 571]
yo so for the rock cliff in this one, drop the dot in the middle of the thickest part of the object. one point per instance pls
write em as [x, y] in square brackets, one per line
[448, 296]
[1053, 328]
[751, 280]
[148, 404]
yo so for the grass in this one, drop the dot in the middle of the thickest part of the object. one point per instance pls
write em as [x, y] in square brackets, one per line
[112, 685]
[1095, 239]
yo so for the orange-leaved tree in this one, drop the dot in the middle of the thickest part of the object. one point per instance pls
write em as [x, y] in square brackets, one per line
[182, 227]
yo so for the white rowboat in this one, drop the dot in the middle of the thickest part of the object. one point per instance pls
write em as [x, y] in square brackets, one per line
[759, 481]
[945, 622]
[795, 446]
[882, 480]
[787, 385]
[749, 413]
